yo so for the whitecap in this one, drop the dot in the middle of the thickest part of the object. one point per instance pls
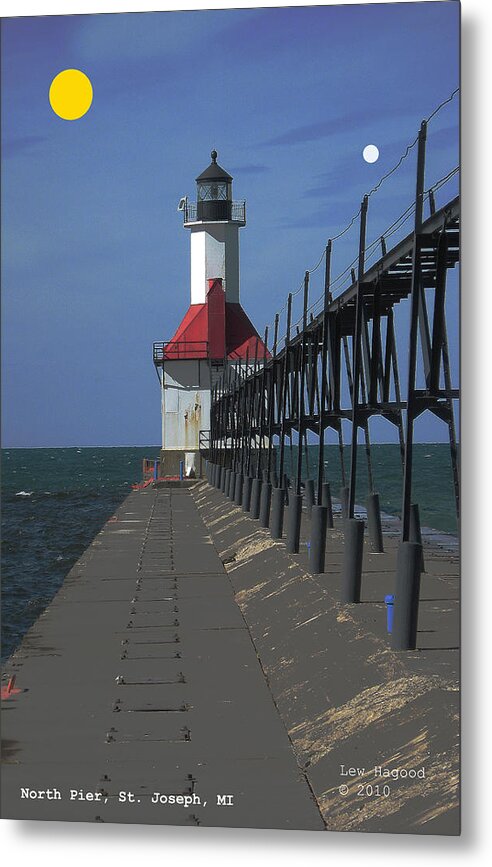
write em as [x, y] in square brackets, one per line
[24, 493]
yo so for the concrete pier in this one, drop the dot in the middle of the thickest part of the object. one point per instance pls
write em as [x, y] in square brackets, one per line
[187, 653]
[141, 677]
[348, 701]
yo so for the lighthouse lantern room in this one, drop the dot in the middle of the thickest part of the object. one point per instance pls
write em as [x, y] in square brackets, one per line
[215, 330]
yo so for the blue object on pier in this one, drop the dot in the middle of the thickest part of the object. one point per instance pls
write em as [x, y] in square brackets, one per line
[181, 470]
[156, 470]
[390, 602]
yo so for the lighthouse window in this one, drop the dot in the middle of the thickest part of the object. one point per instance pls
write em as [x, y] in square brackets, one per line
[212, 192]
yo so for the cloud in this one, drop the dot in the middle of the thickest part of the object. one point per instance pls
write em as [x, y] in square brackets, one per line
[15, 146]
[326, 128]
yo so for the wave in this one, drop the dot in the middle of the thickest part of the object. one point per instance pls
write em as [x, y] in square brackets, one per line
[24, 493]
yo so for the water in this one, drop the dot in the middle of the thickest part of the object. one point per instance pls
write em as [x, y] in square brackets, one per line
[432, 479]
[54, 501]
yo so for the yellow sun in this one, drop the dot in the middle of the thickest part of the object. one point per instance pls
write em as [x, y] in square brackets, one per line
[71, 94]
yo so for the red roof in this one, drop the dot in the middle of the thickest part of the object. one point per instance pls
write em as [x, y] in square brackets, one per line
[214, 330]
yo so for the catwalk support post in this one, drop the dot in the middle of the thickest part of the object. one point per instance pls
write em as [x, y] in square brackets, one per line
[374, 528]
[407, 595]
[277, 513]
[318, 540]
[352, 560]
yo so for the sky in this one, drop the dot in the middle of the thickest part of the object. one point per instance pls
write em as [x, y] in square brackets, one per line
[95, 259]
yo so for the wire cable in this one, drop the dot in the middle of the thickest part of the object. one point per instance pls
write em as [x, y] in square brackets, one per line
[394, 226]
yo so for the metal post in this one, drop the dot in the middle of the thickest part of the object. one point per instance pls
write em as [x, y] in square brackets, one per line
[309, 494]
[224, 479]
[294, 523]
[324, 364]
[238, 490]
[415, 531]
[227, 481]
[301, 383]
[265, 503]
[412, 350]
[255, 498]
[352, 560]
[286, 489]
[318, 540]
[271, 400]
[344, 501]
[242, 425]
[246, 501]
[374, 522]
[261, 408]
[277, 513]
[251, 410]
[356, 353]
[407, 595]
[285, 380]
[326, 501]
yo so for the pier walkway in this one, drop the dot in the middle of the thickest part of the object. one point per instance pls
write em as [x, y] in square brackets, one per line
[141, 677]
[188, 654]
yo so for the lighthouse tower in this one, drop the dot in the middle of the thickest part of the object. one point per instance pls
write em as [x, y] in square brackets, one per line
[215, 330]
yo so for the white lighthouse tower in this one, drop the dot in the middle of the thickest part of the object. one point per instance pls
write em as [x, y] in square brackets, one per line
[214, 221]
[215, 330]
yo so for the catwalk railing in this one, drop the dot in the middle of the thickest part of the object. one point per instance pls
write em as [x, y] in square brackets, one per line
[341, 363]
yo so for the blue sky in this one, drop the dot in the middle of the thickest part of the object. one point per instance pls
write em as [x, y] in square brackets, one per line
[95, 261]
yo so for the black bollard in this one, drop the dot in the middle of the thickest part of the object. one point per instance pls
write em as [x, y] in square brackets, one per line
[407, 594]
[374, 523]
[246, 501]
[224, 479]
[294, 523]
[265, 503]
[238, 491]
[274, 479]
[286, 489]
[415, 532]
[326, 501]
[232, 486]
[317, 548]
[277, 513]
[309, 494]
[344, 500]
[352, 559]
[212, 474]
[227, 481]
[218, 481]
[255, 498]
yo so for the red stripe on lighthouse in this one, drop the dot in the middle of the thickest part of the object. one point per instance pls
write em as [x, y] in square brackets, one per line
[216, 319]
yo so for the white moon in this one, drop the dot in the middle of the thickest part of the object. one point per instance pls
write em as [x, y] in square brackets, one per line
[370, 153]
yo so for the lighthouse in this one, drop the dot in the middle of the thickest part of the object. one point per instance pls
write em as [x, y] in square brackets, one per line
[215, 331]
